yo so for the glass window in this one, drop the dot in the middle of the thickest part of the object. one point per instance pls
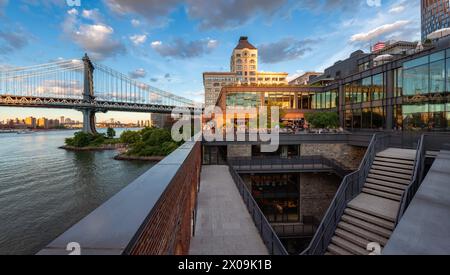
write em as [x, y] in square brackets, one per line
[357, 119]
[415, 80]
[415, 117]
[334, 99]
[378, 118]
[366, 83]
[366, 118]
[448, 116]
[437, 117]
[416, 62]
[437, 77]
[437, 56]
[398, 82]
[448, 75]
[378, 87]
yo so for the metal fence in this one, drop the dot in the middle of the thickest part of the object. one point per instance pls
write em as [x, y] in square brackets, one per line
[298, 164]
[268, 235]
[351, 186]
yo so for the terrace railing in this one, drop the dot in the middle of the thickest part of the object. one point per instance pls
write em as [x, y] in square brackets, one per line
[350, 187]
[268, 235]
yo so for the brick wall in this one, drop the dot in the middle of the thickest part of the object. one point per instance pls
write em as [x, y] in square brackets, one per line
[167, 230]
[316, 193]
[348, 156]
[239, 151]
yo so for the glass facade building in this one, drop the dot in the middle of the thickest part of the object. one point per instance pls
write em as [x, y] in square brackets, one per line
[435, 15]
[415, 97]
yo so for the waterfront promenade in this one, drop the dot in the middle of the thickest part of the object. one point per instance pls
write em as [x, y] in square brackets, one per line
[223, 224]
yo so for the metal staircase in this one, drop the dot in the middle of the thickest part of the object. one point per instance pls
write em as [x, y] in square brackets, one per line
[371, 216]
[370, 201]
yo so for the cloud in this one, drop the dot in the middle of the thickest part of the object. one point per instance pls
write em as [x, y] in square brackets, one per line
[225, 14]
[284, 50]
[138, 73]
[379, 31]
[96, 39]
[93, 15]
[181, 49]
[135, 23]
[138, 39]
[151, 10]
[12, 40]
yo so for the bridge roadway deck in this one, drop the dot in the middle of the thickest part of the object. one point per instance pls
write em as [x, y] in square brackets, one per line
[425, 227]
[223, 226]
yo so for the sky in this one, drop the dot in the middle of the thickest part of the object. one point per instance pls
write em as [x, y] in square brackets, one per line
[170, 43]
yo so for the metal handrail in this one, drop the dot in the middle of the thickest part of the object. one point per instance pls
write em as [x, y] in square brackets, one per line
[350, 187]
[416, 180]
[318, 162]
[268, 235]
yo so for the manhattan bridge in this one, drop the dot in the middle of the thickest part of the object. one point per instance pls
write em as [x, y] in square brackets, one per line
[87, 86]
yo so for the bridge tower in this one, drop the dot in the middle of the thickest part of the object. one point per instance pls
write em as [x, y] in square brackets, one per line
[88, 96]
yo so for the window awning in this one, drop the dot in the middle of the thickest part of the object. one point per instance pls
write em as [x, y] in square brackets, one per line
[294, 116]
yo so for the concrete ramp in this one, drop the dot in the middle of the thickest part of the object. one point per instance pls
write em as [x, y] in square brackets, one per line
[223, 226]
[425, 227]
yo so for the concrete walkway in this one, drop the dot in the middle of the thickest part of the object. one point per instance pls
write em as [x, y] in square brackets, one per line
[223, 226]
[425, 227]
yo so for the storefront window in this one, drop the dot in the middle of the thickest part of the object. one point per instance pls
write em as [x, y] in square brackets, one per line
[438, 119]
[378, 87]
[398, 82]
[415, 81]
[243, 100]
[437, 76]
[366, 83]
[378, 118]
[334, 99]
[277, 196]
[366, 118]
[415, 117]
[357, 116]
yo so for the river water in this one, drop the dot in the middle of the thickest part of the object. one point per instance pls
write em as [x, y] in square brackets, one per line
[44, 190]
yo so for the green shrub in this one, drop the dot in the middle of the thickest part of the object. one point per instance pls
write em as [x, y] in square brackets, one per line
[130, 137]
[110, 133]
[323, 120]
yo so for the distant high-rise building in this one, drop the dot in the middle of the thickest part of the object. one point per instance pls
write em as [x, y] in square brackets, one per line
[61, 121]
[435, 16]
[42, 123]
[243, 70]
[30, 122]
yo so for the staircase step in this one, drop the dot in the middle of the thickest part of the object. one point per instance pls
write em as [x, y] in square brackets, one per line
[329, 254]
[395, 160]
[372, 237]
[349, 246]
[336, 250]
[395, 165]
[368, 226]
[353, 238]
[370, 218]
[386, 183]
[376, 206]
[384, 189]
[382, 194]
[391, 169]
[392, 174]
[390, 179]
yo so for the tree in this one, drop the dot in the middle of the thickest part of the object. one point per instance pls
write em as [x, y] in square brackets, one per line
[130, 137]
[323, 120]
[110, 133]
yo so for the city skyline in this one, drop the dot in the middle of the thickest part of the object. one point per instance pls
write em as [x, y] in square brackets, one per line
[155, 47]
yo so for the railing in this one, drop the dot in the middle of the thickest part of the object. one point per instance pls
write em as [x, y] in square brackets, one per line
[427, 142]
[419, 166]
[307, 163]
[268, 235]
[350, 187]
[295, 230]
